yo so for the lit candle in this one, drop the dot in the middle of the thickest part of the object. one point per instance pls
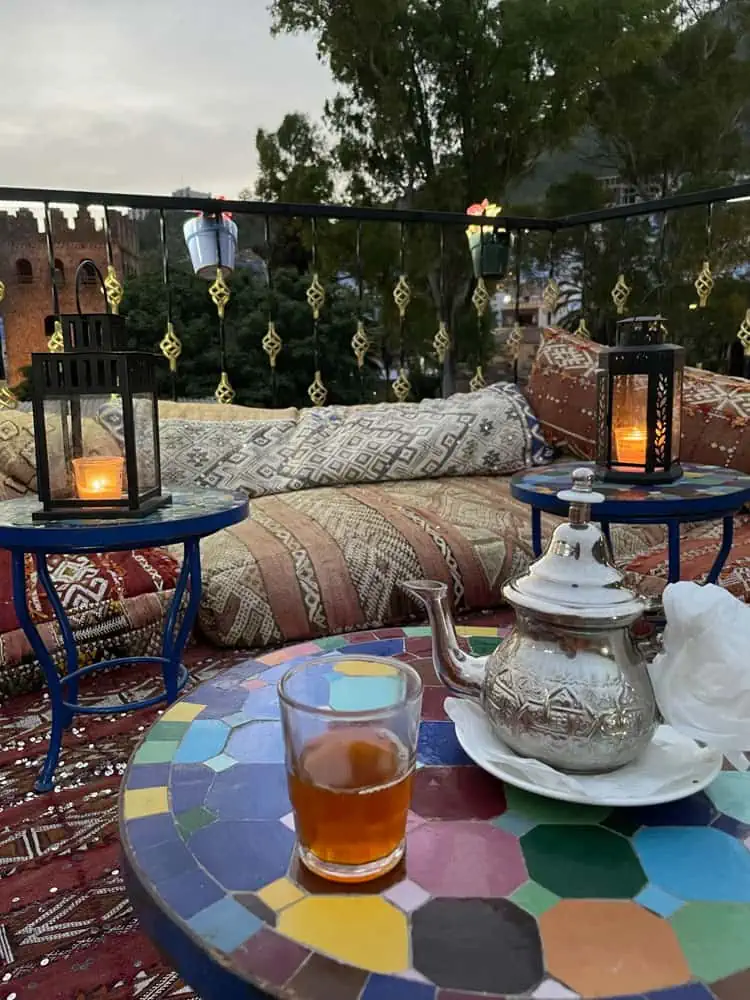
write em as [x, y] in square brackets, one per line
[98, 478]
[631, 445]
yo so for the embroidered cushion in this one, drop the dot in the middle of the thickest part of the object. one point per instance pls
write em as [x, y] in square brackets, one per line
[115, 603]
[330, 560]
[562, 391]
[242, 455]
[491, 432]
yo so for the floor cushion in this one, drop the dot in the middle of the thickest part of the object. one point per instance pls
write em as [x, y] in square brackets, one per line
[699, 545]
[331, 559]
[115, 603]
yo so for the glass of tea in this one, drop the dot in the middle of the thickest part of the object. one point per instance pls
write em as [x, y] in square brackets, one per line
[350, 732]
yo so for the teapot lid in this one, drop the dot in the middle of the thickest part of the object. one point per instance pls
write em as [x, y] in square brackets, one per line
[575, 580]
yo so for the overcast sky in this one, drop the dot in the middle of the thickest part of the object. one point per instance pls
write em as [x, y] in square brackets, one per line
[145, 96]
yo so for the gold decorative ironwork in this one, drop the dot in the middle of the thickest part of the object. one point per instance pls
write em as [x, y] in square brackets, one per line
[224, 392]
[113, 289]
[402, 295]
[8, 400]
[551, 295]
[2, 291]
[317, 391]
[271, 344]
[478, 381]
[56, 341]
[513, 341]
[171, 347]
[480, 297]
[620, 294]
[360, 343]
[441, 342]
[402, 386]
[704, 284]
[743, 334]
[316, 296]
[582, 329]
[219, 292]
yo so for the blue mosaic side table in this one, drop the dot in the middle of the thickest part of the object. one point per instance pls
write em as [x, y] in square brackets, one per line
[704, 493]
[502, 895]
[191, 516]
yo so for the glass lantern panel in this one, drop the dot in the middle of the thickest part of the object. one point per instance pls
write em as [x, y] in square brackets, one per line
[85, 458]
[145, 441]
[677, 416]
[629, 421]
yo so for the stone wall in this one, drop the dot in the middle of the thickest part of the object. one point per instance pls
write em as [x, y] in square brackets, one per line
[28, 303]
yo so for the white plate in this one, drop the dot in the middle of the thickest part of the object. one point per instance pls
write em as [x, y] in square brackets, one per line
[594, 790]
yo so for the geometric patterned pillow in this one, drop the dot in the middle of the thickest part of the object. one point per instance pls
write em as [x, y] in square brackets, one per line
[226, 454]
[562, 391]
[491, 432]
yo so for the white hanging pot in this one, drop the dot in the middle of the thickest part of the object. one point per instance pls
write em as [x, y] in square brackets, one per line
[204, 247]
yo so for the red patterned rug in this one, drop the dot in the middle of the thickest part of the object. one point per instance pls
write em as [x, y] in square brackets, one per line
[67, 931]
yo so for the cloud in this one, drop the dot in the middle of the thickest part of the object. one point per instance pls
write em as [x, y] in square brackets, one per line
[147, 95]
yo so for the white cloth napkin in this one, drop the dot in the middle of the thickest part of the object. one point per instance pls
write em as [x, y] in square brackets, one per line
[701, 678]
[670, 761]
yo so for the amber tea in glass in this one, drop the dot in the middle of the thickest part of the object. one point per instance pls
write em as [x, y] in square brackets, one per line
[350, 731]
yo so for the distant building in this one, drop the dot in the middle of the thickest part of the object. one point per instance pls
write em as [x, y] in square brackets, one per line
[139, 214]
[24, 270]
[188, 192]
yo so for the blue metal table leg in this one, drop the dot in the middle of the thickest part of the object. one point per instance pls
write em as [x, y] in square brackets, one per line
[536, 531]
[727, 539]
[174, 638]
[673, 534]
[61, 715]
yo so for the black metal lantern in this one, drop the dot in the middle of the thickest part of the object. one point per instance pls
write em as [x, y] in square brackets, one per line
[639, 405]
[81, 471]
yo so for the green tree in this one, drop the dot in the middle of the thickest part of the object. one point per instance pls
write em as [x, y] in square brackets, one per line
[195, 321]
[442, 102]
[296, 165]
[675, 121]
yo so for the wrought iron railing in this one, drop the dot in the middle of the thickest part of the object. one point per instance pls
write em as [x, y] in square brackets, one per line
[425, 259]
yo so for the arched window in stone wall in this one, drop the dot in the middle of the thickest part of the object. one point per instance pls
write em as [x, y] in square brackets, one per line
[24, 271]
[88, 275]
[59, 271]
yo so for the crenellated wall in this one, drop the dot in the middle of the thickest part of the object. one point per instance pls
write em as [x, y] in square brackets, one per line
[28, 303]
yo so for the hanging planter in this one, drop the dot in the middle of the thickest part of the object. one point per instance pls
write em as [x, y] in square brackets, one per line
[212, 243]
[490, 246]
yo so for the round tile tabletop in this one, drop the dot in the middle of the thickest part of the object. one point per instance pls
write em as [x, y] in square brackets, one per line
[191, 514]
[702, 491]
[502, 894]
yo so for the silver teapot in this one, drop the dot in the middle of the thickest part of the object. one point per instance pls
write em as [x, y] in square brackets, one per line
[569, 686]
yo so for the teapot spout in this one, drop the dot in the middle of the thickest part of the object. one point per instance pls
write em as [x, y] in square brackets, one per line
[461, 673]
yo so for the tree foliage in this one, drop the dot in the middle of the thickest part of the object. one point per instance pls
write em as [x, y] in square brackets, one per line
[444, 101]
[679, 120]
[195, 321]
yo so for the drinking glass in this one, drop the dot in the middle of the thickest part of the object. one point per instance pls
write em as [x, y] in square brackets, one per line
[350, 734]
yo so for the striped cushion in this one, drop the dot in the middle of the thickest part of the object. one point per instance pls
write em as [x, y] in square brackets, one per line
[330, 559]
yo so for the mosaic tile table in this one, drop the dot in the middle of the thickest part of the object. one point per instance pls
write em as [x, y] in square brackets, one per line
[502, 894]
[704, 493]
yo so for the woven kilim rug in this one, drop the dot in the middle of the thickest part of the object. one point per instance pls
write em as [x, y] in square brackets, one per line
[67, 929]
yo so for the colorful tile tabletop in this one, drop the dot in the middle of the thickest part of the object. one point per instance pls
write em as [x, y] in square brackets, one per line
[502, 894]
[699, 483]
